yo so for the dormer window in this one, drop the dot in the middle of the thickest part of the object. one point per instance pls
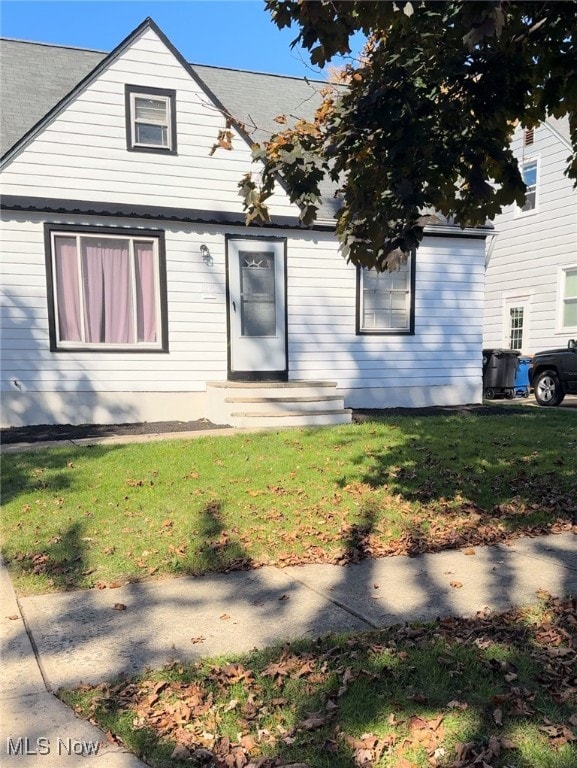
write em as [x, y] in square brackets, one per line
[150, 119]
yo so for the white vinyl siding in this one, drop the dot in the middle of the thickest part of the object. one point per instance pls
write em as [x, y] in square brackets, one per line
[530, 251]
[440, 363]
[81, 154]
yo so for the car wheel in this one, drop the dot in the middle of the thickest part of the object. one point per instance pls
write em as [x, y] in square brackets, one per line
[548, 389]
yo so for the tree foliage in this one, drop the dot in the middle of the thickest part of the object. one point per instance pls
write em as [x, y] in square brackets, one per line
[425, 121]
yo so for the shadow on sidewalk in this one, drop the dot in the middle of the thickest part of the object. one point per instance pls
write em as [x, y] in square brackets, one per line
[124, 631]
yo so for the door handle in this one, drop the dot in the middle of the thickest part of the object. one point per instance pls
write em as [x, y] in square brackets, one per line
[234, 306]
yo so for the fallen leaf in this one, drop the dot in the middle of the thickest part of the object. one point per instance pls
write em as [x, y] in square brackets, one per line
[498, 716]
[119, 607]
[225, 616]
[456, 584]
[284, 597]
[199, 639]
[14, 617]
[313, 721]
[454, 704]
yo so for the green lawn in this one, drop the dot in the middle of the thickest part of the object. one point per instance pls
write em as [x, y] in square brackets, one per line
[496, 691]
[85, 517]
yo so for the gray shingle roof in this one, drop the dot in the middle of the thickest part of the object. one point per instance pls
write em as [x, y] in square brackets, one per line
[34, 77]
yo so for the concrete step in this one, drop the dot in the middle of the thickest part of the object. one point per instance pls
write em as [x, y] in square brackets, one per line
[245, 420]
[273, 388]
[294, 399]
[276, 404]
[283, 405]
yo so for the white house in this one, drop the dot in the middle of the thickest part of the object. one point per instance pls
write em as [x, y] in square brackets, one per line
[531, 282]
[133, 291]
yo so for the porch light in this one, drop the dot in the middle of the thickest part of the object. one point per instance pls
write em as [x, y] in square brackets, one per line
[206, 257]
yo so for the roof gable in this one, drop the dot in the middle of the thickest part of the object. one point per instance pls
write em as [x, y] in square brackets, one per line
[40, 81]
[80, 151]
[99, 63]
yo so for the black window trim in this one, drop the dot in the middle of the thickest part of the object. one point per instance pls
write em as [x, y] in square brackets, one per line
[167, 93]
[79, 229]
[410, 331]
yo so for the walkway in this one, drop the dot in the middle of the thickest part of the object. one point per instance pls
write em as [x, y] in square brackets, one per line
[63, 639]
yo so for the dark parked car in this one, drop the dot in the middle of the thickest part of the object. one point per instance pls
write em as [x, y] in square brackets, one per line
[553, 374]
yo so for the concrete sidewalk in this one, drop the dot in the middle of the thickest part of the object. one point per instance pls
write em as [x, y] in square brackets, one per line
[62, 639]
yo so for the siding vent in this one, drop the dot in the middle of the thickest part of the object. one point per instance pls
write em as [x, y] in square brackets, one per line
[529, 137]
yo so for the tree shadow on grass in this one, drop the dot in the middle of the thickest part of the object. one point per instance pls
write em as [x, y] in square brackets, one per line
[351, 589]
[61, 562]
[443, 458]
[401, 692]
[219, 551]
[464, 470]
[410, 692]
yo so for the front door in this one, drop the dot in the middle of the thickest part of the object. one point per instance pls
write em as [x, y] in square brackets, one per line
[257, 308]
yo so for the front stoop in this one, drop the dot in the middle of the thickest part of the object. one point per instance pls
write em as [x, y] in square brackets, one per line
[276, 404]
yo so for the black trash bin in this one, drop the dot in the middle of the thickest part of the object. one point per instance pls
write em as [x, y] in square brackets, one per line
[499, 371]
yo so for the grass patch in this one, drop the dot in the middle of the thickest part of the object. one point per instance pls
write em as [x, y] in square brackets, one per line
[81, 517]
[496, 690]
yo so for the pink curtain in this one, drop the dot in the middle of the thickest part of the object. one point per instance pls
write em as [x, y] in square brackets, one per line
[107, 291]
[67, 293]
[145, 292]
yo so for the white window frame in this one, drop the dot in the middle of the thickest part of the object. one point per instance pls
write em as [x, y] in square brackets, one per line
[516, 302]
[134, 121]
[61, 344]
[408, 328]
[563, 299]
[519, 212]
[168, 96]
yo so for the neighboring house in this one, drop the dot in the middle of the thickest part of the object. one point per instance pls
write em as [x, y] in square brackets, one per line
[531, 282]
[133, 291]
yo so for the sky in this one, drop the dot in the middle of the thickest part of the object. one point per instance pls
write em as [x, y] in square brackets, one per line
[226, 33]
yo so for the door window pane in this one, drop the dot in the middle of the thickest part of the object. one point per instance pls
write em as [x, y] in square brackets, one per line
[516, 327]
[257, 293]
